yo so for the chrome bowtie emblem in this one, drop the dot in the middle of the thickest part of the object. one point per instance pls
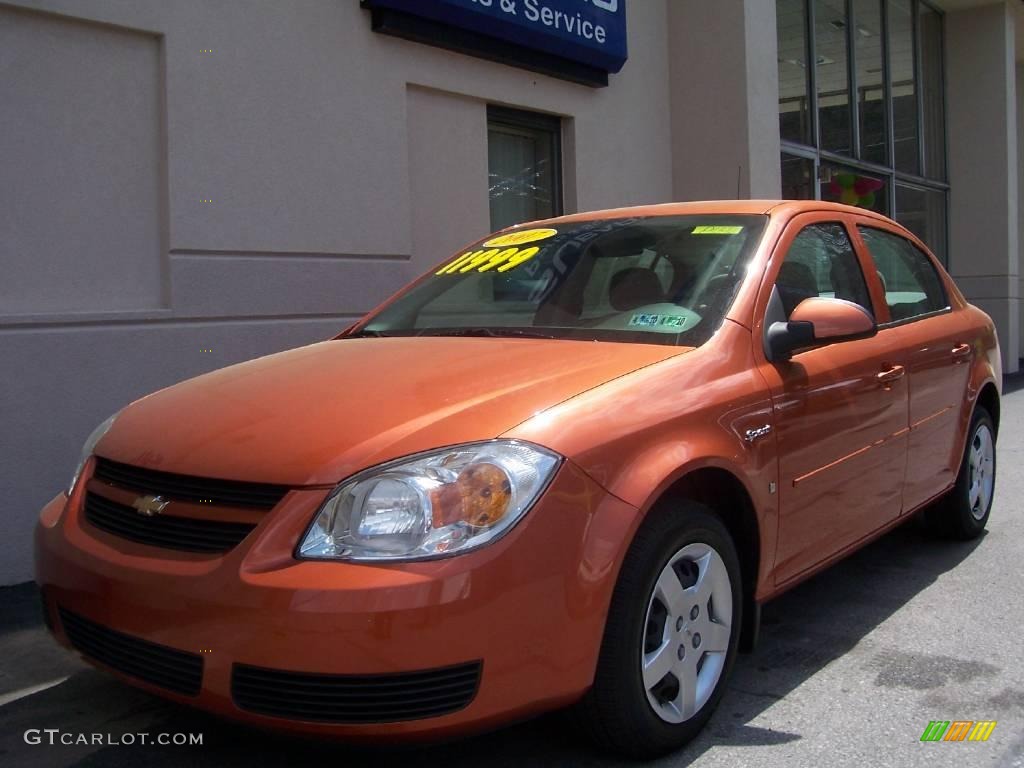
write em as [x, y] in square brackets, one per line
[148, 506]
[757, 432]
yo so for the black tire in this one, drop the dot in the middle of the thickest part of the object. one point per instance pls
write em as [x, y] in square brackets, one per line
[616, 713]
[954, 515]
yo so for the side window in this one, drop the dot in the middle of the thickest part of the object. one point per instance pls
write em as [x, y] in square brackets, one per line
[912, 286]
[821, 262]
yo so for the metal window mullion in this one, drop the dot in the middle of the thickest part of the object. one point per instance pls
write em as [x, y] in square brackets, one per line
[945, 100]
[853, 97]
[915, 36]
[861, 165]
[921, 181]
[890, 125]
[798, 150]
[890, 184]
[812, 73]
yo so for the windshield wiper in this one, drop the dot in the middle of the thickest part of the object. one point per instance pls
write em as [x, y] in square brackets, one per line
[367, 333]
[486, 332]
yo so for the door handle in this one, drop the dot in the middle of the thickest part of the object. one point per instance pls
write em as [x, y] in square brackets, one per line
[890, 375]
[961, 352]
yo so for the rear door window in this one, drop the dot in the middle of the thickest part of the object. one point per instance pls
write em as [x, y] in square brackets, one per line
[912, 284]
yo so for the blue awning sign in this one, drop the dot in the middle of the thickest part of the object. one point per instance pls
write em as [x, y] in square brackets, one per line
[587, 32]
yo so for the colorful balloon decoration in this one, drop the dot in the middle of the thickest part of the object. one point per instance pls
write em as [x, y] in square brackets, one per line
[851, 189]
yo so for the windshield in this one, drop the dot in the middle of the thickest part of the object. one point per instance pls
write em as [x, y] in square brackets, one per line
[652, 280]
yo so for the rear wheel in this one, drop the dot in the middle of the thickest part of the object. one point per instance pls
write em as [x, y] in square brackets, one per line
[671, 635]
[964, 511]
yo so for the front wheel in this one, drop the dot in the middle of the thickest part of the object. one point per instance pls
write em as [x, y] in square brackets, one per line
[964, 511]
[671, 636]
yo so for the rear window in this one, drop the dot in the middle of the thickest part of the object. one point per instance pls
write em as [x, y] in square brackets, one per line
[656, 279]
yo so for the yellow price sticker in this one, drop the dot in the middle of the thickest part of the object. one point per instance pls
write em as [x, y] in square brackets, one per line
[521, 237]
[484, 260]
[717, 230]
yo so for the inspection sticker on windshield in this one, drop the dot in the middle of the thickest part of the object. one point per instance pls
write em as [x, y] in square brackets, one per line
[653, 321]
[520, 237]
[717, 230]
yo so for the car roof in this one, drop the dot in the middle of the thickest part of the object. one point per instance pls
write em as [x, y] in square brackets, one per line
[783, 208]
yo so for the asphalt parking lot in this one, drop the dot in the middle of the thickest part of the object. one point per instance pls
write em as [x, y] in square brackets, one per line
[851, 667]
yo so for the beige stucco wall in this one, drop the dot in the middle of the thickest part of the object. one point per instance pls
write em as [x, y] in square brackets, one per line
[339, 162]
[724, 100]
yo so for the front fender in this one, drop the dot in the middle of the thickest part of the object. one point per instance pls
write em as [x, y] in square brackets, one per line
[639, 434]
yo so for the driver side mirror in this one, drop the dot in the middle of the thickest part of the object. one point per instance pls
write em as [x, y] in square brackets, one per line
[815, 322]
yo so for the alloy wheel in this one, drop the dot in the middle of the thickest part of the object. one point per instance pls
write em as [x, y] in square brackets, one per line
[981, 460]
[686, 632]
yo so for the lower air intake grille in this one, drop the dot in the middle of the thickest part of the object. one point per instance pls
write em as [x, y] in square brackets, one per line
[188, 534]
[355, 698]
[158, 665]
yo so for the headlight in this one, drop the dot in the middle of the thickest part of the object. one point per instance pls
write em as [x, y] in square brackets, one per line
[90, 443]
[430, 505]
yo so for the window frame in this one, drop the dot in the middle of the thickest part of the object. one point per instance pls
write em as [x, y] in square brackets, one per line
[860, 225]
[858, 260]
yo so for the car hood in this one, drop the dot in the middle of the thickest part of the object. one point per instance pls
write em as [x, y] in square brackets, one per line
[314, 415]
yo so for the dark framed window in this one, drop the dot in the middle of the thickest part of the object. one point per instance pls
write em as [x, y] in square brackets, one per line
[872, 106]
[933, 92]
[797, 177]
[832, 76]
[862, 108]
[524, 166]
[851, 186]
[923, 212]
[793, 54]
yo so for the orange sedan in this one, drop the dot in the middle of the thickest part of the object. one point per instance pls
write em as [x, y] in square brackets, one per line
[563, 468]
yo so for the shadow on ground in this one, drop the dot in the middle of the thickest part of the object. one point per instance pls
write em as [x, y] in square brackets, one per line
[803, 631]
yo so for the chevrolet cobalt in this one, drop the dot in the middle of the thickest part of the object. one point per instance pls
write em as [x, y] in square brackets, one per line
[563, 469]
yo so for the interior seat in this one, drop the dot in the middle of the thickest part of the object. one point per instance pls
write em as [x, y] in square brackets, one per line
[634, 287]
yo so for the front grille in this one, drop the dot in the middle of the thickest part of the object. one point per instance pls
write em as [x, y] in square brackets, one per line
[224, 493]
[175, 670]
[354, 698]
[187, 534]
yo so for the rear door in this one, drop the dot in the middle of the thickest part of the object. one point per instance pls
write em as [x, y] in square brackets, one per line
[937, 351]
[840, 411]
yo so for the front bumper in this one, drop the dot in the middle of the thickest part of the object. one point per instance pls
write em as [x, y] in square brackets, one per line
[530, 608]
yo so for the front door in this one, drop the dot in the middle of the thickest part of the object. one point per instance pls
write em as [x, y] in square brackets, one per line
[840, 411]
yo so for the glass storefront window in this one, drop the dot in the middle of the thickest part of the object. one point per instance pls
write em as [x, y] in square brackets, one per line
[923, 212]
[878, 98]
[797, 178]
[933, 116]
[904, 86]
[794, 104]
[831, 71]
[870, 58]
[843, 184]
